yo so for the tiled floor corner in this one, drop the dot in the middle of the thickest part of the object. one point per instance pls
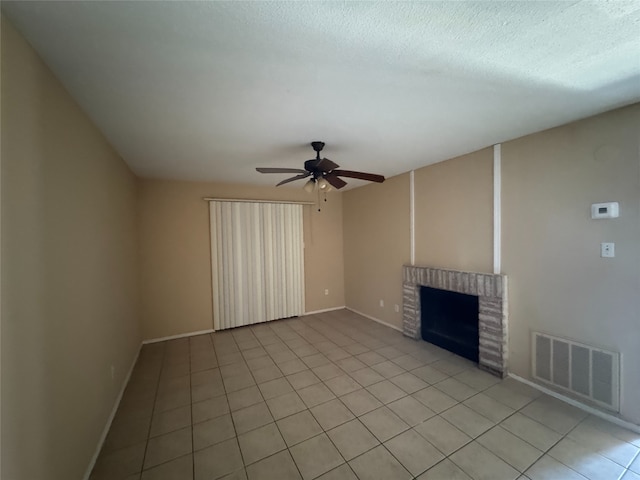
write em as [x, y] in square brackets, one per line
[335, 396]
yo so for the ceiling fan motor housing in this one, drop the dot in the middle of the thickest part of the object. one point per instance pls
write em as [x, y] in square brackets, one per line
[311, 166]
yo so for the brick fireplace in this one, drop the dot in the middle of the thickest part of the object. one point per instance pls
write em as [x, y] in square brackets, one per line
[492, 302]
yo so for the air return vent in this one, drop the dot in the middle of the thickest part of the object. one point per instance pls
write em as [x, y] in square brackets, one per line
[584, 370]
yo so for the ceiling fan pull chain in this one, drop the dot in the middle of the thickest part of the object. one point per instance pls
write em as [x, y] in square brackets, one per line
[318, 190]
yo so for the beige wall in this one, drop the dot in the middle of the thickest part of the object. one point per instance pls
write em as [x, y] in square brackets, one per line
[558, 283]
[376, 245]
[454, 213]
[453, 229]
[69, 281]
[175, 252]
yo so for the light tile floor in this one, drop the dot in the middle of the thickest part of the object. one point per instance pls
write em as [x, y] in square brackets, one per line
[337, 396]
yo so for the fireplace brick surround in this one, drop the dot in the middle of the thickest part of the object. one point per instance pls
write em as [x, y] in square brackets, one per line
[491, 290]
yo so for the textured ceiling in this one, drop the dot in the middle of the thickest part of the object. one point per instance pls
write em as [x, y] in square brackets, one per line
[211, 90]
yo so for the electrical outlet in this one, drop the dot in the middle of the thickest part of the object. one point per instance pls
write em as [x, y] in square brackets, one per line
[396, 308]
[326, 291]
[381, 303]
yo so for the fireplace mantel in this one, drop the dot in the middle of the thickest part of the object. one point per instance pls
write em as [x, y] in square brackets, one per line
[492, 292]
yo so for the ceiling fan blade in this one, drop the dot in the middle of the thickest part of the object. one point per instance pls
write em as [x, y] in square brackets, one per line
[280, 170]
[326, 165]
[292, 179]
[370, 177]
[335, 181]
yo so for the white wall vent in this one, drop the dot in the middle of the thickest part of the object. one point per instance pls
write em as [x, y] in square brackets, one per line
[587, 371]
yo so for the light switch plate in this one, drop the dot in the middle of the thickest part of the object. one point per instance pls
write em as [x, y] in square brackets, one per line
[607, 250]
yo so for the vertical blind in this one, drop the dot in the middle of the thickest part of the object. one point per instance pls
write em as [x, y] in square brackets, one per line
[257, 261]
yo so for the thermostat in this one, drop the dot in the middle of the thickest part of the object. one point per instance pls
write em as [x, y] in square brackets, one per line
[605, 210]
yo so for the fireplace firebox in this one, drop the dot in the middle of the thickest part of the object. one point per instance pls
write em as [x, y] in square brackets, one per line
[450, 320]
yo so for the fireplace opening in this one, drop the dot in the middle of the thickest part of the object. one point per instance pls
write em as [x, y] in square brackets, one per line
[450, 320]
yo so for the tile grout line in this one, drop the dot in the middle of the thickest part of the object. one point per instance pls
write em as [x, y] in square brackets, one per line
[193, 453]
[244, 466]
[275, 422]
[153, 408]
[628, 469]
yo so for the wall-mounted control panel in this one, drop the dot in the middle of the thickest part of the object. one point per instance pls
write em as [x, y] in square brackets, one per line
[605, 210]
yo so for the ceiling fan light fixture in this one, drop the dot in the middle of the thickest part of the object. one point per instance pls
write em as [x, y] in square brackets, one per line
[323, 185]
[309, 186]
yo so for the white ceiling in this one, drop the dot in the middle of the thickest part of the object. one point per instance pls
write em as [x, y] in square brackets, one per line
[211, 90]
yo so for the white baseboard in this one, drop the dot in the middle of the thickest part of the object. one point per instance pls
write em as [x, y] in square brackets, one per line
[375, 319]
[580, 405]
[325, 310]
[180, 335]
[116, 404]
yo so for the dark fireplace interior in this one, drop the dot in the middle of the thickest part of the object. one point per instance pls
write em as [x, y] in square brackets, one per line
[450, 320]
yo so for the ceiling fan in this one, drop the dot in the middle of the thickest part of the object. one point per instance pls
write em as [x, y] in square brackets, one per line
[323, 173]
